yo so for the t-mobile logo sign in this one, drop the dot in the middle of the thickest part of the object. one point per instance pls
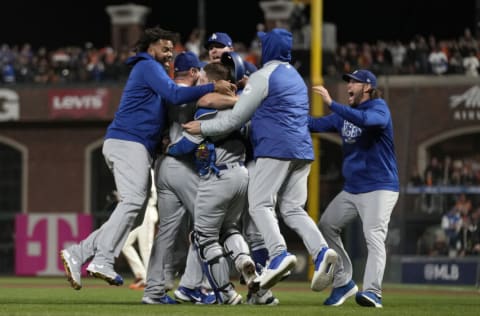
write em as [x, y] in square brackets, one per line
[40, 237]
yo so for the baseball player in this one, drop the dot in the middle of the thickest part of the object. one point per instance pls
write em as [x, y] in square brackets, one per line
[276, 100]
[250, 231]
[129, 148]
[143, 236]
[371, 183]
[220, 201]
[219, 43]
[176, 183]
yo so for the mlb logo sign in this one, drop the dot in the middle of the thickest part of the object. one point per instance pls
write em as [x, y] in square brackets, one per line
[40, 237]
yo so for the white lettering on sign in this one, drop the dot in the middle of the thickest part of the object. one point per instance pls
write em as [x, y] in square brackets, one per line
[69, 102]
[444, 271]
[78, 103]
[9, 105]
[470, 100]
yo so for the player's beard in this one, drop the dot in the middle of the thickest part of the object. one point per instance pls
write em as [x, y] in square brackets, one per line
[165, 62]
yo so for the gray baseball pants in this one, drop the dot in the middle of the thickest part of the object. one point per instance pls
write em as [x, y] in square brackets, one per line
[374, 209]
[284, 183]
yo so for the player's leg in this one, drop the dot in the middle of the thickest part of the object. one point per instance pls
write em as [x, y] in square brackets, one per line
[230, 236]
[209, 217]
[266, 180]
[338, 214]
[375, 209]
[171, 212]
[134, 260]
[130, 162]
[291, 201]
[146, 233]
[180, 177]
[190, 287]
[253, 237]
[216, 268]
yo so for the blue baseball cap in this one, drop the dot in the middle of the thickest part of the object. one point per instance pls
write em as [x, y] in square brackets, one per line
[221, 38]
[362, 75]
[186, 60]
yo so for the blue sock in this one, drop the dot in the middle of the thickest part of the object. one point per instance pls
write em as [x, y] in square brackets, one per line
[260, 257]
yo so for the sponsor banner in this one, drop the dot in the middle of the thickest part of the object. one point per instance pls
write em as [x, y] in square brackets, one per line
[78, 103]
[440, 271]
[466, 106]
[40, 237]
[9, 105]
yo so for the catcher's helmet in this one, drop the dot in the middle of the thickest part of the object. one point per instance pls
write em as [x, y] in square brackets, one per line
[235, 63]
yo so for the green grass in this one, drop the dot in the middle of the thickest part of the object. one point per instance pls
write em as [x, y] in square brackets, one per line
[53, 296]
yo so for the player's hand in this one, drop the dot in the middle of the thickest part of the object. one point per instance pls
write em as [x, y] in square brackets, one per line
[193, 127]
[225, 87]
[323, 93]
[242, 82]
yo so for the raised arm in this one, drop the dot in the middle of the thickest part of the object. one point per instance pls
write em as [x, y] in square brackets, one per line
[248, 102]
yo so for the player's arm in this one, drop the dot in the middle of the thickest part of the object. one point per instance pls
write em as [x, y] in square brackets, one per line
[163, 85]
[376, 116]
[248, 102]
[322, 124]
[216, 100]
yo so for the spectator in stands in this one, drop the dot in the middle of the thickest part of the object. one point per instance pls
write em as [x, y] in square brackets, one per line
[8, 72]
[473, 237]
[471, 64]
[416, 179]
[421, 55]
[438, 61]
[399, 53]
[433, 174]
[452, 224]
[455, 64]
[194, 41]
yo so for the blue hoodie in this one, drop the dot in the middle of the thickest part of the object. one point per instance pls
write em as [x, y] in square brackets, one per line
[141, 115]
[369, 162]
[280, 123]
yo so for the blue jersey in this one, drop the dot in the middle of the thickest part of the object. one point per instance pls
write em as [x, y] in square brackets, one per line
[369, 162]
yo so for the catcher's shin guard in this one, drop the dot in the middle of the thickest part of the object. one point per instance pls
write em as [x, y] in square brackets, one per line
[214, 265]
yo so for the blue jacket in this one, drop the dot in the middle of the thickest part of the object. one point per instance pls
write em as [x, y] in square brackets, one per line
[141, 114]
[369, 162]
[280, 123]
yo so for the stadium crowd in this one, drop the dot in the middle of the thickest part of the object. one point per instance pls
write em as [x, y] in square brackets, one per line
[458, 230]
[87, 63]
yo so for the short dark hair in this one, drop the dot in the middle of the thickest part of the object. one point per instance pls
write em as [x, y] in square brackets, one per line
[153, 34]
[217, 71]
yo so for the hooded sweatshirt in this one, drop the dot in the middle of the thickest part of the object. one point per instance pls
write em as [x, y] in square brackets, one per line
[141, 115]
[276, 100]
[369, 162]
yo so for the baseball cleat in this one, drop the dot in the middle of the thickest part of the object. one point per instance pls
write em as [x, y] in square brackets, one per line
[196, 296]
[341, 293]
[138, 284]
[262, 297]
[228, 296]
[165, 299]
[276, 269]
[368, 299]
[324, 268]
[104, 272]
[233, 298]
[249, 274]
[73, 268]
